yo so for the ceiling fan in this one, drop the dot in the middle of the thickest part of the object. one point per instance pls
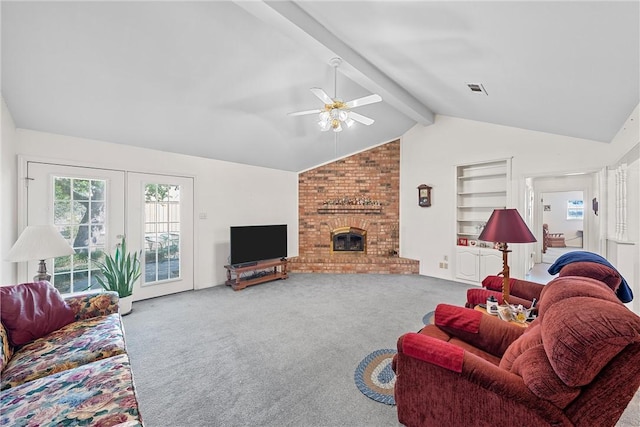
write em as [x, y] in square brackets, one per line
[337, 112]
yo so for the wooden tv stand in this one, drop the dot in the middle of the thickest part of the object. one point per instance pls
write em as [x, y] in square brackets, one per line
[261, 273]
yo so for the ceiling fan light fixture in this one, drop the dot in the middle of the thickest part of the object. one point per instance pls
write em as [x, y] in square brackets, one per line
[337, 112]
[325, 125]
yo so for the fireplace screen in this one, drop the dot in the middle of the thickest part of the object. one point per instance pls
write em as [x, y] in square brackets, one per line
[348, 239]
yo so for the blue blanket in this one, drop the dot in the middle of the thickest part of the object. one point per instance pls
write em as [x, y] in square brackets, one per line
[624, 291]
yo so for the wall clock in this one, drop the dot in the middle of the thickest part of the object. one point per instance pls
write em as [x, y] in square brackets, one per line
[424, 195]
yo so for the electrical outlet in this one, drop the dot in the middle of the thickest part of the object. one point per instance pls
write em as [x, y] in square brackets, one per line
[441, 265]
[446, 258]
[446, 265]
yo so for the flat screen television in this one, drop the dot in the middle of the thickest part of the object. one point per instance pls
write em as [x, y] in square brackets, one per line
[253, 243]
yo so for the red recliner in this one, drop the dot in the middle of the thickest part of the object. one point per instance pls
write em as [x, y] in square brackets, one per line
[523, 291]
[577, 364]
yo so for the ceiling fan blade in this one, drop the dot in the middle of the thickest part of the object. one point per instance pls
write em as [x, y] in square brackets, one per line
[304, 113]
[322, 95]
[360, 118]
[365, 100]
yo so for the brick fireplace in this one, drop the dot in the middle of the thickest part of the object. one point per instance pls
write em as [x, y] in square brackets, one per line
[349, 215]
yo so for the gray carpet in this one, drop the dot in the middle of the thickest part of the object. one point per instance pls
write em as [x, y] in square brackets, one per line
[281, 353]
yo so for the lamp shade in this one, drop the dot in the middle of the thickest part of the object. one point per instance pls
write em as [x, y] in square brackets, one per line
[506, 226]
[39, 242]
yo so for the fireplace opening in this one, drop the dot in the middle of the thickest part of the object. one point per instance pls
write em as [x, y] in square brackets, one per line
[348, 239]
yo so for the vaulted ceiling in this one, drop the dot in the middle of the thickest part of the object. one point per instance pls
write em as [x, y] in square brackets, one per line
[216, 79]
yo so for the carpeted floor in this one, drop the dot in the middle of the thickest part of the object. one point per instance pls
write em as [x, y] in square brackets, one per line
[281, 353]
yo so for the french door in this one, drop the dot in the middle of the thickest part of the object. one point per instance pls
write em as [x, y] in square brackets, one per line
[160, 221]
[94, 208]
[88, 208]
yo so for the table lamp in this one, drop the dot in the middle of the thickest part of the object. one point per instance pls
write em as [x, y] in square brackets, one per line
[39, 242]
[506, 226]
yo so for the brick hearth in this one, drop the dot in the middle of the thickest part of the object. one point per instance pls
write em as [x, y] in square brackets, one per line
[360, 191]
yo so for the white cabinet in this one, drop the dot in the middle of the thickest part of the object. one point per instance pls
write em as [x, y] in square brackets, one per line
[474, 263]
[467, 261]
[490, 262]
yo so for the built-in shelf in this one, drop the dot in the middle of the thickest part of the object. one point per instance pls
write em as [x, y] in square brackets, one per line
[481, 193]
[487, 176]
[480, 188]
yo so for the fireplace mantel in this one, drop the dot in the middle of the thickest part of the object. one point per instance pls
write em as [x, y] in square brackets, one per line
[355, 209]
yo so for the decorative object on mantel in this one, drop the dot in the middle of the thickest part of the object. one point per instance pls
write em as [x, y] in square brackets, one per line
[360, 201]
[424, 195]
[362, 205]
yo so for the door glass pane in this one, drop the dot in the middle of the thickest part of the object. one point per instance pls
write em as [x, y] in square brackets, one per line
[79, 214]
[162, 232]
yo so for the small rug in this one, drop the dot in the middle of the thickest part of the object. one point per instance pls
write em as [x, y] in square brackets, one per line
[375, 378]
[428, 318]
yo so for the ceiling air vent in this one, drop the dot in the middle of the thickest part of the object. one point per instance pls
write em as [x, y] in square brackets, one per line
[477, 88]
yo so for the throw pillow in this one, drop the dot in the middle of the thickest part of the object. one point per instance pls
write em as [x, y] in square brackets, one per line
[32, 310]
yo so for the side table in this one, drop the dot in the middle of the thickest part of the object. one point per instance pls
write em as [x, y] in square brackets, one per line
[515, 322]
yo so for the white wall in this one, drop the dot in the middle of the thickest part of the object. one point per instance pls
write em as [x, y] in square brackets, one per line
[229, 193]
[626, 255]
[8, 191]
[429, 154]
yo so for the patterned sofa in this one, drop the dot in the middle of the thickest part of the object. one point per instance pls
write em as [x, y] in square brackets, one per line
[64, 361]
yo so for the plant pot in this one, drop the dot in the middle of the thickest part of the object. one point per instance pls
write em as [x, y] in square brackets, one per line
[125, 305]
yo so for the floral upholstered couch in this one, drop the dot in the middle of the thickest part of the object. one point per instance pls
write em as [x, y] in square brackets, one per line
[64, 360]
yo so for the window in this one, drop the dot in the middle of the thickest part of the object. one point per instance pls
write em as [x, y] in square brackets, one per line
[161, 232]
[79, 214]
[575, 209]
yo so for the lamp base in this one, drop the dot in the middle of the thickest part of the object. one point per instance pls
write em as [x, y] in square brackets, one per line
[505, 273]
[42, 275]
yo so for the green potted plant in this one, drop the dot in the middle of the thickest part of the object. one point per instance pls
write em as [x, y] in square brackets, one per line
[120, 271]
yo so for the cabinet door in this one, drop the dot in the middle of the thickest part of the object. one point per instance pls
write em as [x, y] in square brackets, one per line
[467, 264]
[490, 263]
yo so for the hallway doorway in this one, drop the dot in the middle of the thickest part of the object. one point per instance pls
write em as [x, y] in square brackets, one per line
[562, 223]
[560, 220]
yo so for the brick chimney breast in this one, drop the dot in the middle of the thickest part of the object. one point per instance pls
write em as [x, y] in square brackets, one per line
[360, 194]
